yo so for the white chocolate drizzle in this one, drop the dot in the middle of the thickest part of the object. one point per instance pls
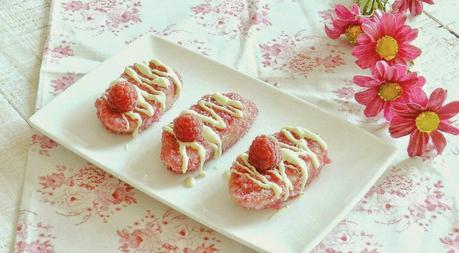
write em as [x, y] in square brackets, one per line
[147, 77]
[233, 107]
[291, 158]
[211, 137]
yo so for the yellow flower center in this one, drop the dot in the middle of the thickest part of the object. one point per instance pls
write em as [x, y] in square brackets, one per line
[352, 32]
[427, 122]
[390, 91]
[387, 47]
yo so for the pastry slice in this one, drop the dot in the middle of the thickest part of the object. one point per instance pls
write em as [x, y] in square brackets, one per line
[138, 98]
[277, 168]
[205, 131]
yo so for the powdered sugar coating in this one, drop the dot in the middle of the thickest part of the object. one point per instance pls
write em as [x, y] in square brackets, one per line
[250, 195]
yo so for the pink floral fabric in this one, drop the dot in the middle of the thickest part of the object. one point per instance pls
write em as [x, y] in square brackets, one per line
[413, 206]
[101, 15]
[451, 241]
[300, 54]
[54, 51]
[62, 83]
[232, 18]
[172, 232]
[33, 237]
[85, 192]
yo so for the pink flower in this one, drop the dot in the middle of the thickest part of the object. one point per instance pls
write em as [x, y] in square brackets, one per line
[62, 83]
[112, 193]
[414, 6]
[347, 22]
[53, 180]
[128, 16]
[140, 240]
[385, 37]
[451, 243]
[433, 202]
[74, 6]
[44, 141]
[424, 119]
[62, 51]
[387, 85]
[202, 8]
[39, 247]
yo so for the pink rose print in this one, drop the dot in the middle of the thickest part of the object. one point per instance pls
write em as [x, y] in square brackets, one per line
[85, 192]
[232, 18]
[184, 38]
[451, 241]
[53, 180]
[405, 198]
[100, 16]
[58, 49]
[346, 237]
[301, 54]
[344, 97]
[62, 83]
[43, 144]
[33, 237]
[174, 232]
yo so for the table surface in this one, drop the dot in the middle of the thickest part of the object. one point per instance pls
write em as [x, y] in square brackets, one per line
[23, 31]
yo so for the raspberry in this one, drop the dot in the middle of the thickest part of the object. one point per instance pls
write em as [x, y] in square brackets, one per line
[187, 128]
[122, 97]
[264, 153]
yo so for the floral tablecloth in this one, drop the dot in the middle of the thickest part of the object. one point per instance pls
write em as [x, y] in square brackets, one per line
[69, 205]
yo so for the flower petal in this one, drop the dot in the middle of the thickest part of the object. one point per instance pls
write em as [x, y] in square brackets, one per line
[409, 52]
[388, 113]
[400, 126]
[449, 110]
[448, 128]
[343, 12]
[379, 70]
[373, 108]
[332, 34]
[367, 96]
[419, 97]
[439, 141]
[436, 99]
[364, 81]
[417, 144]
[367, 61]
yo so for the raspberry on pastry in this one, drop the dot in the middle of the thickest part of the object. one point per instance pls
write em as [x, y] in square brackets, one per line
[206, 130]
[256, 184]
[138, 98]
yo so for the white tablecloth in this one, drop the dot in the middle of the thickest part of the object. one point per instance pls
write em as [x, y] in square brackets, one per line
[68, 205]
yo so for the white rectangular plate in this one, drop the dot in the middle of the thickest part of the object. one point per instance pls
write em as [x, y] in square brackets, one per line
[358, 157]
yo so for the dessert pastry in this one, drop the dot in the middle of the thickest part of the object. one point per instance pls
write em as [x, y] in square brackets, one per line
[138, 98]
[206, 130]
[277, 168]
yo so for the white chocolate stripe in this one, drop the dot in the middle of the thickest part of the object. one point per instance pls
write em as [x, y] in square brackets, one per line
[291, 158]
[147, 77]
[223, 103]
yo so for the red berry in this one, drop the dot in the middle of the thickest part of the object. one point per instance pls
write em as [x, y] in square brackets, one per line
[187, 128]
[264, 153]
[122, 97]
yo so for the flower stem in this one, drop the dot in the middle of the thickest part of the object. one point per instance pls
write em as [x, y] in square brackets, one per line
[368, 7]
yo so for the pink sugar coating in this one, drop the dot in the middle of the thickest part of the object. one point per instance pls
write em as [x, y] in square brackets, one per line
[247, 194]
[116, 123]
[236, 128]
